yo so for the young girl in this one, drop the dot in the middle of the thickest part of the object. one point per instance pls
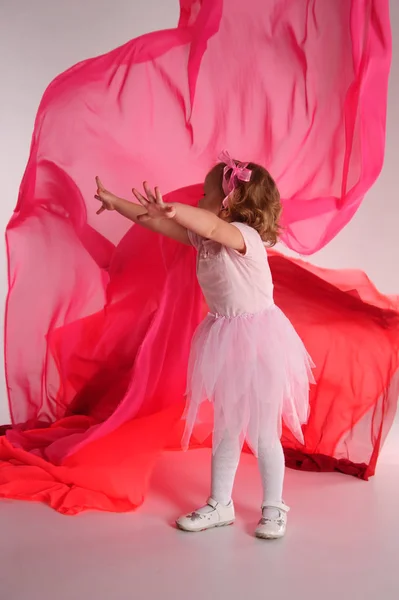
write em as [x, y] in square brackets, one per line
[246, 357]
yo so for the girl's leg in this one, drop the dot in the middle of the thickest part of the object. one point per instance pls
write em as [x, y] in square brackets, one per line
[224, 468]
[274, 512]
[272, 467]
[219, 509]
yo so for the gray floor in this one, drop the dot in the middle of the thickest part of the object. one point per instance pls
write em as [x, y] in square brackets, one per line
[343, 541]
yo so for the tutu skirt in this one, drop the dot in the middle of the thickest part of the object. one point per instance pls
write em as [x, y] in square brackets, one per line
[255, 370]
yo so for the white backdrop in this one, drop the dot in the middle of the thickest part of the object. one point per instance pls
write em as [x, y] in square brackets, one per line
[40, 39]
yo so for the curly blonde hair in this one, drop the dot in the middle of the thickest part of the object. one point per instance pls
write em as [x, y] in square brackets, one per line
[256, 202]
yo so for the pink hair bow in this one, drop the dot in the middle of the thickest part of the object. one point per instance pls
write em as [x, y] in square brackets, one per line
[239, 172]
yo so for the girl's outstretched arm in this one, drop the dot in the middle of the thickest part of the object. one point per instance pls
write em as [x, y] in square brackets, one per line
[199, 221]
[160, 223]
[209, 226]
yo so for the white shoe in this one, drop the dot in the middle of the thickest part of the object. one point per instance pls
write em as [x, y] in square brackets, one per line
[273, 523]
[213, 514]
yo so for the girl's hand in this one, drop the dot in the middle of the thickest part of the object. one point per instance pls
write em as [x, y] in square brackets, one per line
[154, 205]
[109, 200]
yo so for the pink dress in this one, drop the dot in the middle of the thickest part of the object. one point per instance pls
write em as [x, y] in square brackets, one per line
[246, 357]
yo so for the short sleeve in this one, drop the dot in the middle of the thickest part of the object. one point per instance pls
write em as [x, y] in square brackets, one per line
[195, 239]
[251, 238]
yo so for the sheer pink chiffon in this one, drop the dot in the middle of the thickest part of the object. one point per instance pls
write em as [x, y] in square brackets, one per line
[100, 316]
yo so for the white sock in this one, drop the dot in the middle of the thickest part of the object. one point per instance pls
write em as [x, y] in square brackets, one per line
[225, 461]
[224, 467]
[271, 463]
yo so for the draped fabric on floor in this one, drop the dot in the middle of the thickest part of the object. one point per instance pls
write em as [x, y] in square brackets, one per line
[100, 315]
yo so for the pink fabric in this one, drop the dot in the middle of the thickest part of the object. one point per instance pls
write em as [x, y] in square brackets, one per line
[234, 284]
[99, 318]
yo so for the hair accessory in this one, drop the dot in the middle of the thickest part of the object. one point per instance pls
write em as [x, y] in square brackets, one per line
[239, 172]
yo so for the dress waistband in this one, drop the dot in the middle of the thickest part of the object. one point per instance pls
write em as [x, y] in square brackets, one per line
[245, 315]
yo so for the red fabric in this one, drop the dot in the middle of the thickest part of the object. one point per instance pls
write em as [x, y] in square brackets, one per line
[100, 317]
[341, 330]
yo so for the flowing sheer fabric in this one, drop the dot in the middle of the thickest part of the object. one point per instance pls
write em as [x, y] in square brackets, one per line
[100, 317]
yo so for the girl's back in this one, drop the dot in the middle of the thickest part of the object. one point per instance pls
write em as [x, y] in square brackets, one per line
[232, 282]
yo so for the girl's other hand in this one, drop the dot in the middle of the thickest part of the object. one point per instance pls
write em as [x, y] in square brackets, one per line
[108, 200]
[153, 203]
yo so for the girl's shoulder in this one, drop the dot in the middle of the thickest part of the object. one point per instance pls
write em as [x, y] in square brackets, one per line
[253, 242]
[249, 233]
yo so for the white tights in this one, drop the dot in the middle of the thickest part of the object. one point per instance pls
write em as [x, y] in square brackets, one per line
[225, 463]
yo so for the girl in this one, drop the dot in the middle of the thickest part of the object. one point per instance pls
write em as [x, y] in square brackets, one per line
[246, 357]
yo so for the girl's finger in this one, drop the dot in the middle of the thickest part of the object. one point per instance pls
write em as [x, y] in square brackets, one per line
[170, 211]
[100, 210]
[148, 191]
[144, 217]
[158, 197]
[99, 184]
[98, 198]
[143, 201]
